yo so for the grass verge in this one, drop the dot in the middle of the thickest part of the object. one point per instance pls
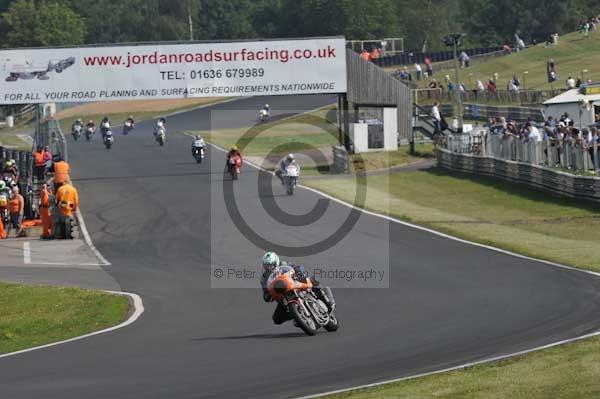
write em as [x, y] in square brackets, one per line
[506, 216]
[370, 161]
[572, 56]
[38, 315]
[298, 133]
[567, 371]
[485, 211]
[14, 142]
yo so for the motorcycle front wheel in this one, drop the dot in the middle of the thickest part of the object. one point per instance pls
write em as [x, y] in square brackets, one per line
[304, 321]
[333, 324]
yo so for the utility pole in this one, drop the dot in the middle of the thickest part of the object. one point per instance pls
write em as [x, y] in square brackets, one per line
[190, 22]
[457, 88]
[453, 40]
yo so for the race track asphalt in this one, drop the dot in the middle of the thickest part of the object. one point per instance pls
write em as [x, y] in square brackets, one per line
[161, 221]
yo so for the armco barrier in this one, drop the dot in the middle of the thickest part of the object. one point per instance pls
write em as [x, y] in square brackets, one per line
[534, 176]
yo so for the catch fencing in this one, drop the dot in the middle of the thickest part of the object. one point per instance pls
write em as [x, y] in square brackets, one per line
[499, 97]
[439, 57]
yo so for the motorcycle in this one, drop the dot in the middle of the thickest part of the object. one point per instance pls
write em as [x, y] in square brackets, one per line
[127, 127]
[263, 114]
[308, 311]
[198, 153]
[235, 164]
[76, 132]
[290, 178]
[89, 132]
[108, 139]
[160, 136]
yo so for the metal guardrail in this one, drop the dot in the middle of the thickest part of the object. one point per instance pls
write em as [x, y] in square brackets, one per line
[341, 159]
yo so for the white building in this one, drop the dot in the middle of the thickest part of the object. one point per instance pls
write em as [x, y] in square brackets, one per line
[581, 105]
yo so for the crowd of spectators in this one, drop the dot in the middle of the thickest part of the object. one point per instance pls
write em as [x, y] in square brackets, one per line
[554, 132]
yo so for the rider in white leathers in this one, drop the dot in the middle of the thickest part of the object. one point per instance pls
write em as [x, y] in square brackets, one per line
[198, 143]
[289, 160]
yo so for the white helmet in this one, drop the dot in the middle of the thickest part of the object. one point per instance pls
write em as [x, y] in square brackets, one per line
[290, 157]
[270, 260]
[266, 105]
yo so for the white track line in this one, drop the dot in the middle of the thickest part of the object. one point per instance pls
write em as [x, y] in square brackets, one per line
[488, 247]
[88, 240]
[27, 253]
[138, 306]
[462, 366]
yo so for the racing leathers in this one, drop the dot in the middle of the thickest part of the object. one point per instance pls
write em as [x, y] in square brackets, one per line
[283, 165]
[198, 143]
[281, 315]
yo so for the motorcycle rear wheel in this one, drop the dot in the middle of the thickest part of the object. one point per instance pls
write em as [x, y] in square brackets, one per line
[307, 324]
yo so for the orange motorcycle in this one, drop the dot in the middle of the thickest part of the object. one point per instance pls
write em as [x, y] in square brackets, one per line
[308, 311]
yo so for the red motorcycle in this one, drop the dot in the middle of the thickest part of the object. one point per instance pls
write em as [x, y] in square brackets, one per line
[235, 165]
[308, 311]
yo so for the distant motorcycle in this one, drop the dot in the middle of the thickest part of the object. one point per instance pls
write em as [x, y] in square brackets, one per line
[127, 127]
[108, 139]
[160, 136]
[89, 132]
[198, 153]
[76, 132]
[290, 178]
[308, 311]
[104, 128]
[235, 164]
[263, 114]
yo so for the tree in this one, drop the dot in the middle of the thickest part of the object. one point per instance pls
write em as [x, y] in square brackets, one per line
[46, 23]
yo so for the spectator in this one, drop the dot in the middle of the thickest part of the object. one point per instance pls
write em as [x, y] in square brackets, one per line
[516, 81]
[428, 66]
[570, 83]
[534, 133]
[375, 54]
[491, 86]
[47, 156]
[551, 70]
[578, 83]
[39, 165]
[592, 142]
[16, 207]
[437, 116]
[433, 84]
[365, 55]
[464, 60]
[418, 71]
[480, 87]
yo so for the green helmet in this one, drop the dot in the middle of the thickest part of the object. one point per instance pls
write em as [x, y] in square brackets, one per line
[2, 185]
[270, 260]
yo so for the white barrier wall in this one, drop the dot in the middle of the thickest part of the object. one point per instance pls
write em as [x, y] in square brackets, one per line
[359, 134]
[390, 129]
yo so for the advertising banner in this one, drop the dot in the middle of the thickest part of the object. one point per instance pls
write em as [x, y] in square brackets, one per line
[229, 69]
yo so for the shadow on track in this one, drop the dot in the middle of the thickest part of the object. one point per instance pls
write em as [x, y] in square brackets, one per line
[253, 336]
